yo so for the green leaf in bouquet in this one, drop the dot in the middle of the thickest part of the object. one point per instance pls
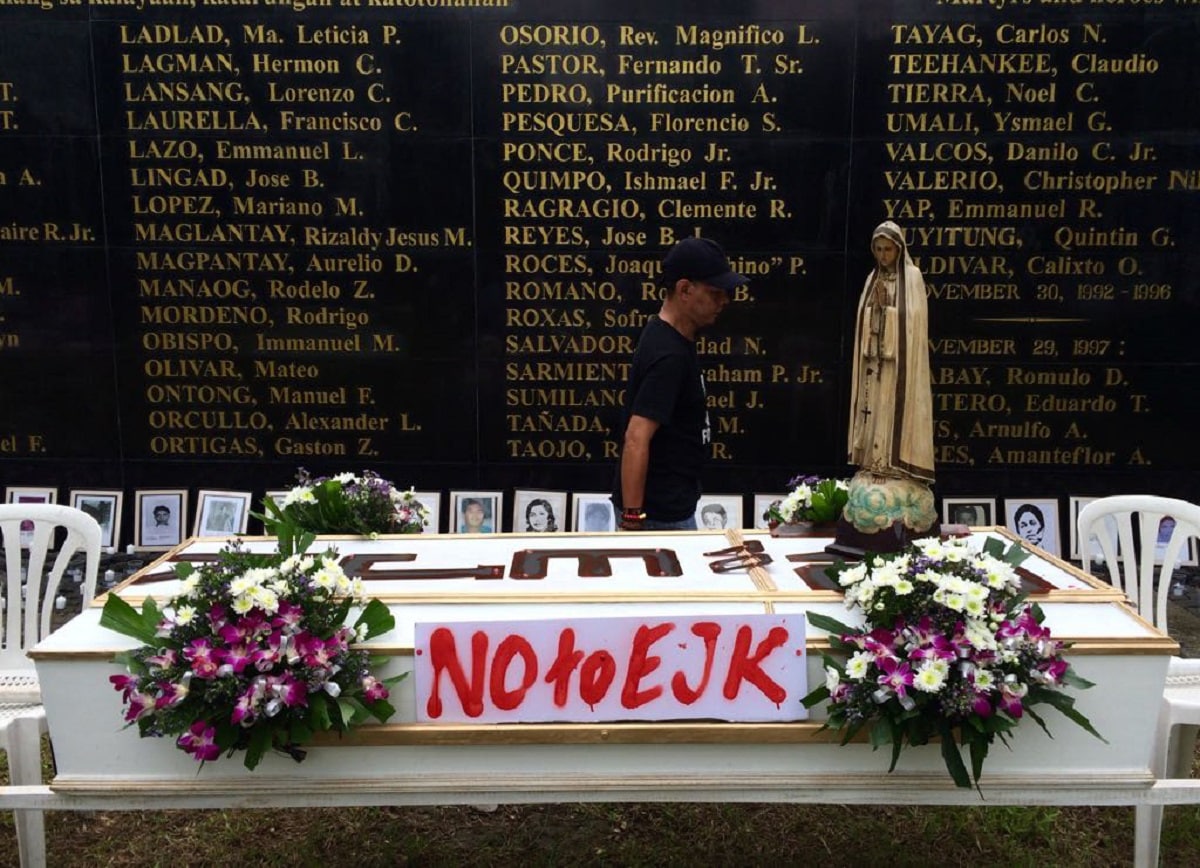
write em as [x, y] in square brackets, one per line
[952, 757]
[318, 716]
[831, 626]
[261, 739]
[377, 618]
[820, 694]
[122, 618]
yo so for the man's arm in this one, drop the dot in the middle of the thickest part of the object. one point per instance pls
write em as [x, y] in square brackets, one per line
[635, 459]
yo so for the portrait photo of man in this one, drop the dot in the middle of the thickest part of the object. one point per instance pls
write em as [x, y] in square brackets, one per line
[475, 512]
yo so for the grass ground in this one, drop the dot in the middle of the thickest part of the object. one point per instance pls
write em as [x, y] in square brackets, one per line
[607, 835]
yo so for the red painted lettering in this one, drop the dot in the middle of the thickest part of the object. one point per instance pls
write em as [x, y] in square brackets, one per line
[443, 657]
[641, 665]
[742, 667]
[512, 646]
[708, 631]
[596, 677]
[559, 673]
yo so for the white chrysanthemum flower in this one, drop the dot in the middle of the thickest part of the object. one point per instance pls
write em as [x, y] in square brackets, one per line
[189, 585]
[985, 680]
[957, 602]
[185, 615]
[265, 599]
[357, 588]
[974, 608]
[929, 678]
[299, 494]
[242, 605]
[853, 575]
[240, 585]
[345, 478]
[904, 587]
[859, 664]
[979, 636]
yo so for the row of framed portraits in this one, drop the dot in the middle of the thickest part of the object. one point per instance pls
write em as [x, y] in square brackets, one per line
[161, 515]
[1037, 521]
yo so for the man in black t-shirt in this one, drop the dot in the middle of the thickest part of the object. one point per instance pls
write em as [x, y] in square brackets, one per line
[667, 432]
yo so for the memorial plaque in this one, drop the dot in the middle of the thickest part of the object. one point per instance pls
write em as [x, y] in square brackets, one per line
[237, 239]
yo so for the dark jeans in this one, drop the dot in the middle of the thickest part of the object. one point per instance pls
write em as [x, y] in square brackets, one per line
[688, 523]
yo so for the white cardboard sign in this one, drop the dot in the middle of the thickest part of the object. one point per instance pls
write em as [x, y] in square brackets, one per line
[746, 668]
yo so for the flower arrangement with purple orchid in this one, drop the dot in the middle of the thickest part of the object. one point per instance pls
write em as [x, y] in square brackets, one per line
[254, 653]
[366, 504]
[950, 648]
[811, 499]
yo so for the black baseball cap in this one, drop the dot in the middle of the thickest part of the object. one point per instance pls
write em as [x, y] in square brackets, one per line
[702, 260]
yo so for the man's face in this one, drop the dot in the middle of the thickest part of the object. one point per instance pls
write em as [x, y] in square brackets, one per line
[885, 253]
[538, 517]
[705, 302]
[473, 515]
[713, 520]
[162, 517]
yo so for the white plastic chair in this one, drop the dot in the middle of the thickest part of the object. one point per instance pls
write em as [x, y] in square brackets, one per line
[1132, 561]
[23, 622]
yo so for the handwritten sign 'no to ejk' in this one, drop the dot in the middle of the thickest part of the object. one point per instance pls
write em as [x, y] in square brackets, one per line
[724, 667]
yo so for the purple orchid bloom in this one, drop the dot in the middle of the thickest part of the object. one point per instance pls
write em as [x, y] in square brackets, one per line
[205, 660]
[896, 675]
[170, 693]
[164, 659]
[374, 689]
[127, 684]
[200, 742]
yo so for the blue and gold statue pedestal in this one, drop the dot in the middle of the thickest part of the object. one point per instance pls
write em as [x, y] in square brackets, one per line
[884, 514]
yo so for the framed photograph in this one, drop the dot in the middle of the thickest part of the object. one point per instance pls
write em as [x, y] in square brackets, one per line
[275, 495]
[105, 507]
[719, 511]
[161, 517]
[475, 511]
[29, 494]
[221, 513]
[1075, 506]
[593, 511]
[536, 511]
[1187, 555]
[971, 511]
[432, 501]
[1034, 520]
[762, 502]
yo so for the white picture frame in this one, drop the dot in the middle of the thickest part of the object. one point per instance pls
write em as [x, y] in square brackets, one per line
[432, 501]
[29, 494]
[971, 511]
[161, 516]
[491, 504]
[1034, 520]
[719, 512]
[593, 512]
[105, 506]
[762, 502]
[539, 511]
[221, 513]
[1075, 506]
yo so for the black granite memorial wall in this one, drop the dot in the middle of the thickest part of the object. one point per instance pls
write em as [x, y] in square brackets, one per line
[238, 236]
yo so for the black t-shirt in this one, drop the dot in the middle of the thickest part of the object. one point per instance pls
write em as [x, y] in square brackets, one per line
[667, 385]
